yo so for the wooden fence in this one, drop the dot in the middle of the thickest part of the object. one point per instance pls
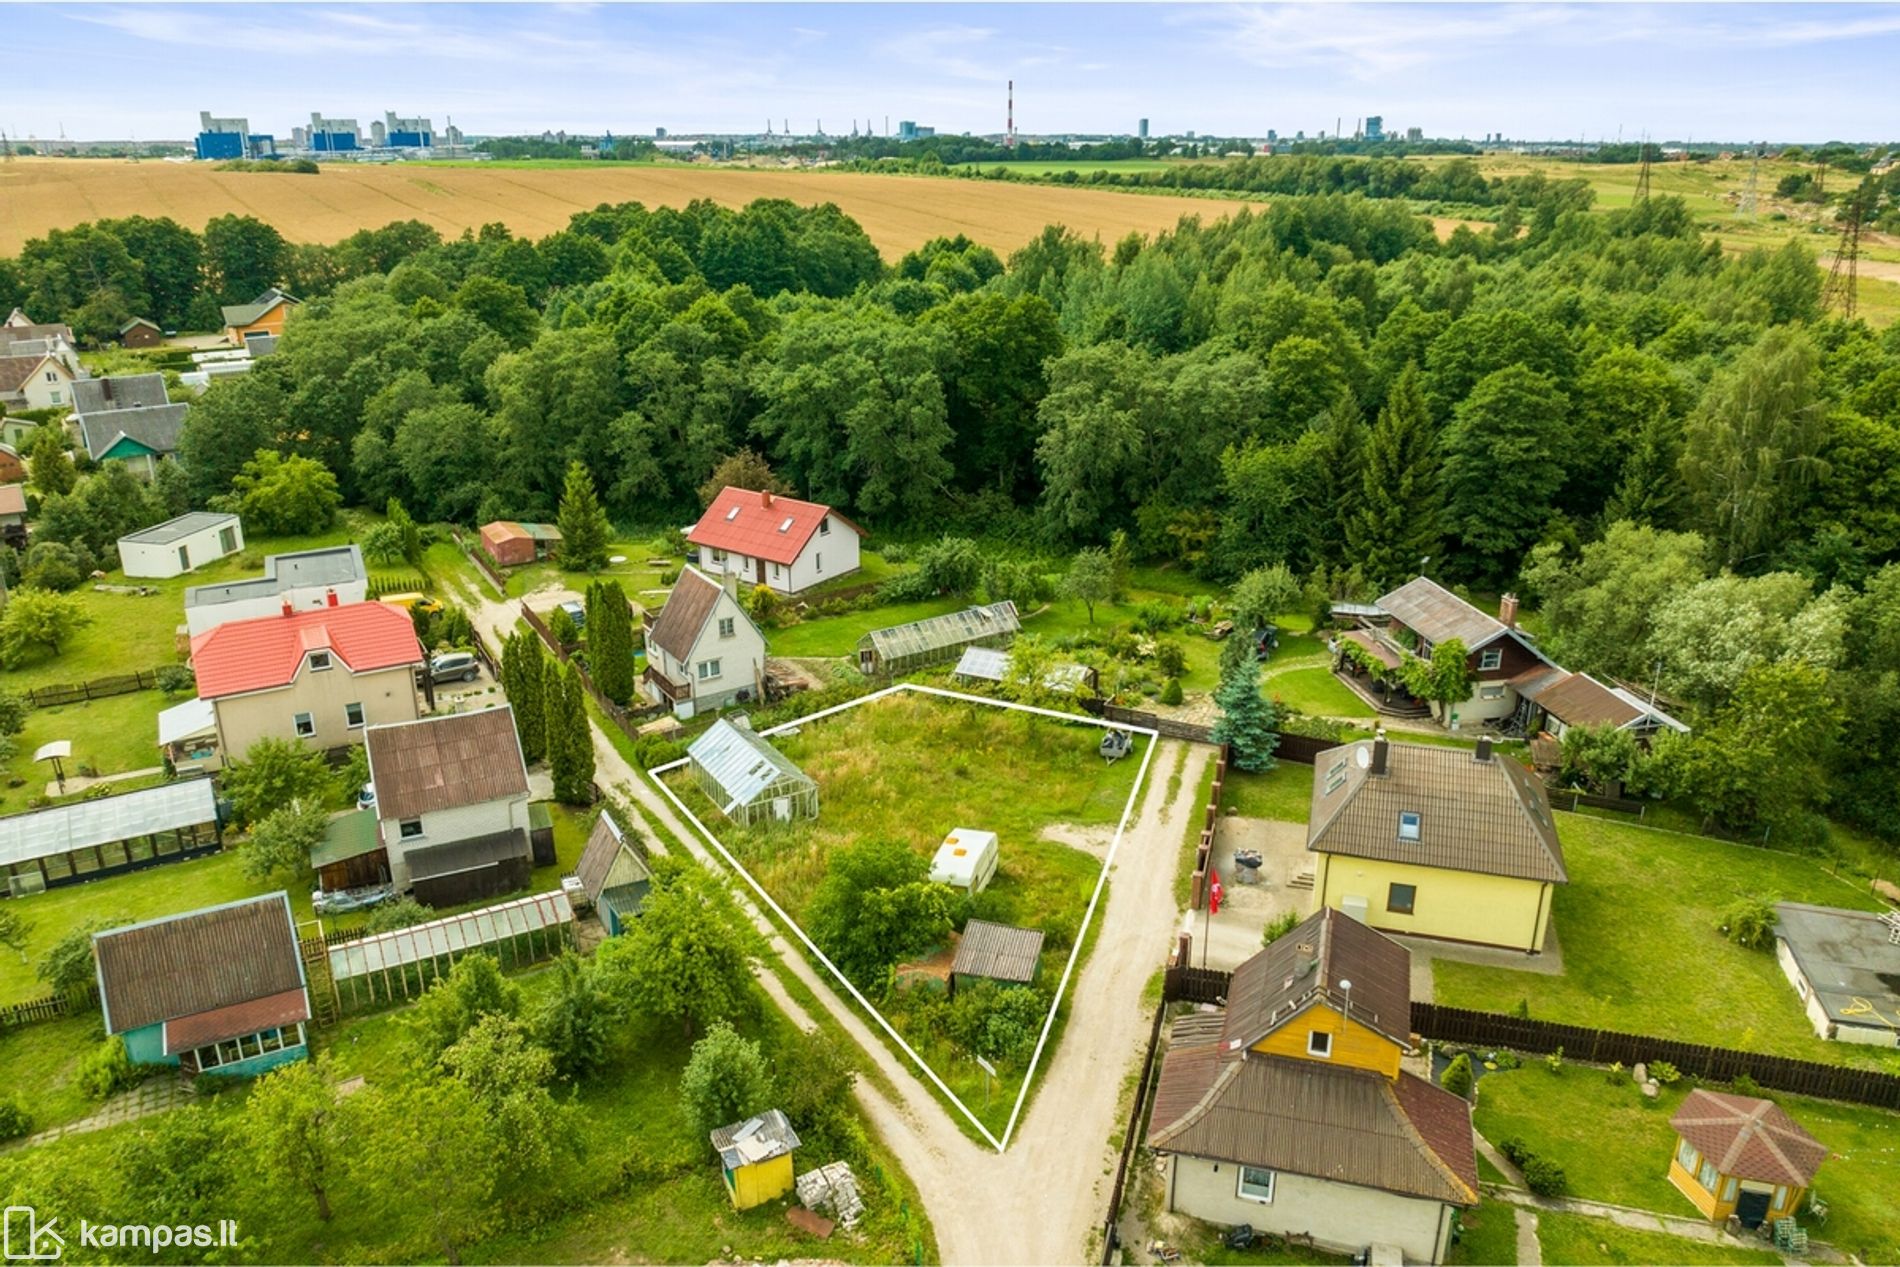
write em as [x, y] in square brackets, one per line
[1144, 1090]
[1603, 1047]
[1166, 727]
[97, 688]
[628, 720]
[1600, 1046]
[49, 1008]
[1210, 815]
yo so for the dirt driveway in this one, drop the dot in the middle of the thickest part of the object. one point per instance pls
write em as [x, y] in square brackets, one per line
[1040, 1201]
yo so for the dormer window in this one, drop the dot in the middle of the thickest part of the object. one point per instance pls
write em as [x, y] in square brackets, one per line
[786, 524]
[732, 514]
[1408, 825]
[319, 660]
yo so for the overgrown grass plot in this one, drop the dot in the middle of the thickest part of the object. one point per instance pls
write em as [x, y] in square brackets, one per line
[896, 774]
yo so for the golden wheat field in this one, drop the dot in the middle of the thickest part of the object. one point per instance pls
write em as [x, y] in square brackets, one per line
[899, 212]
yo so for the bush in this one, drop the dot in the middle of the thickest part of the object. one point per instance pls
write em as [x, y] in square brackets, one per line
[1171, 691]
[1278, 927]
[1458, 1077]
[1157, 615]
[1544, 1177]
[176, 679]
[1749, 922]
[1664, 1072]
[1515, 1150]
[652, 750]
[1555, 1061]
[106, 1069]
[15, 1121]
[1170, 658]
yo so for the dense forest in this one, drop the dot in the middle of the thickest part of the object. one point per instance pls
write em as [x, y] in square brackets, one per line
[1672, 450]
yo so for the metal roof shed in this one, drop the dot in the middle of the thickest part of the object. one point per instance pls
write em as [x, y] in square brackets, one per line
[935, 639]
[749, 779]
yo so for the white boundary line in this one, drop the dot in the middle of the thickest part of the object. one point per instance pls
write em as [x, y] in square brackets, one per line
[1075, 951]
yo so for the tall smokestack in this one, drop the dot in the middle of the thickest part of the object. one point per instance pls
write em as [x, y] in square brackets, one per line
[1009, 140]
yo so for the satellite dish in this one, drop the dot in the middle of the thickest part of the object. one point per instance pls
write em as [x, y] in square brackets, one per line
[1362, 757]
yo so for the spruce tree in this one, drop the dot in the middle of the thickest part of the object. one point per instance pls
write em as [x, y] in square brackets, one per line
[1649, 490]
[1247, 722]
[522, 680]
[583, 524]
[610, 640]
[1398, 521]
[570, 746]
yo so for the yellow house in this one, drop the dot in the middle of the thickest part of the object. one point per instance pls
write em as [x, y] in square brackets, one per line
[1739, 1155]
[262, 316]
[1288, 1110]
[756, 1158]
[1435, 842]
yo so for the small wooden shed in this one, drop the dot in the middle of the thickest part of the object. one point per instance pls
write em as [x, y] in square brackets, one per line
[1739, 1155]
[756, 1158]
[996, 952]
[506, 543]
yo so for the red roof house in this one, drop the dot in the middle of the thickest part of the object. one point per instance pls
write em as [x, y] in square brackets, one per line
[320, 675]
[780, 542]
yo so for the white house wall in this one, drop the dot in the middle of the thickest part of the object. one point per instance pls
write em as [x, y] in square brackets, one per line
[741, 657]
[826, 556]
[150, 559]
[445, 827]
[1340, 1217]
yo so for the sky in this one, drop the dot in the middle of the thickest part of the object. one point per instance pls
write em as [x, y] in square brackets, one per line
[1776, 72]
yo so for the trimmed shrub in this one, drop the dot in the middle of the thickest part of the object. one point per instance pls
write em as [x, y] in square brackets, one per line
[1458, 1077]
[1171, 691]
[15, 1121]
[1544, 1177]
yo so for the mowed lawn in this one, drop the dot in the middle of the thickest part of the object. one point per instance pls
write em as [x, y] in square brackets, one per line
[1614, 1146]
[1638, 925]
[175, 887]
[838, 635]
[111, 736]
[128, 633]
[1578, 1241]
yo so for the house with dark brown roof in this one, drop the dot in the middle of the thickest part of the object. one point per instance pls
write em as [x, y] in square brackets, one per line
[703, 651]
[1555, 701]
[1287, 1110]
[1742, 1156]
[1435, 842]
[452, 805]
[214, 991]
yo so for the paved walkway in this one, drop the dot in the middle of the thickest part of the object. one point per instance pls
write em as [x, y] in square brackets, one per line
[1530, 1251]
[1649, 1221]
[154, 1095]
[79, 783]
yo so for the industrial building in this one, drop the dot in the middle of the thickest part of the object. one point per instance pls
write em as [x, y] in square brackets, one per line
[332, 136]
[231, 138]
[407, 134]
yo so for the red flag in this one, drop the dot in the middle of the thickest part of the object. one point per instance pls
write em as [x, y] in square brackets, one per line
[1213, 894]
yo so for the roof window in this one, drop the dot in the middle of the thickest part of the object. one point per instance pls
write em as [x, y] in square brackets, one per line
[732, 514]
[786, 526]
[1408, 825]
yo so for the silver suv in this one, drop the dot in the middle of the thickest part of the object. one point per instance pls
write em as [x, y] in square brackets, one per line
[455, 666]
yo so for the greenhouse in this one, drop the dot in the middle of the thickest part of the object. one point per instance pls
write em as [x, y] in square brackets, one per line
[748, 779]
[406, 961]
[904, 648]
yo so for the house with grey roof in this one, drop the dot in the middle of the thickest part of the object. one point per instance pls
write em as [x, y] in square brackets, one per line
[1420, 615]
[128, 418]
[263, 316]
[703, 651]
[1431, 841]
[300, 579]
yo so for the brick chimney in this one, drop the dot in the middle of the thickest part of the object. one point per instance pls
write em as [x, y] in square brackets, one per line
[288, 609]
[1483, 750]
[765, 498]
[1381, 753]
[329, 598]
[1507, 611]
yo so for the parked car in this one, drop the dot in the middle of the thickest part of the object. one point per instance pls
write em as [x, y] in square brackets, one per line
[454, 666]
[412, 601]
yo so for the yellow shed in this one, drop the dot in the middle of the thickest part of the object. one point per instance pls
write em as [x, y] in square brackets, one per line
[1739, 1155]
[756, 1156]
